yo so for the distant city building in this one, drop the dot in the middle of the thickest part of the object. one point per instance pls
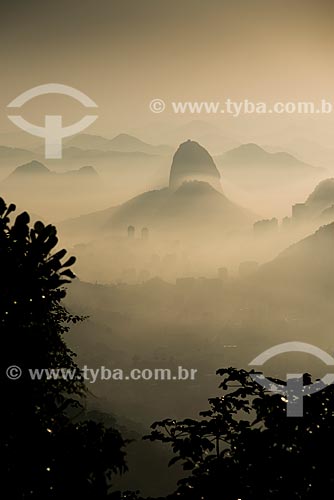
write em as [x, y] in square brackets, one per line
[131, 232]
[266, 226]
[286, 223]
[129, 275]
[144, 233]
[248, 268]
[169, 260]
[223, 273]
[300, 212]
[210, 285]
[185, 284]
[143, 276]
[155, 259]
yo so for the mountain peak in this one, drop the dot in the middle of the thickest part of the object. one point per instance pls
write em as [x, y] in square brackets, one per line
[126, 140]
[251, 146]
[125, 136]
[87, 170]
[33, 167]
[192, 162]
[251, 153]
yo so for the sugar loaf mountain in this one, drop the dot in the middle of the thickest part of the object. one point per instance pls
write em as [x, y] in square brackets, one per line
[194, 201]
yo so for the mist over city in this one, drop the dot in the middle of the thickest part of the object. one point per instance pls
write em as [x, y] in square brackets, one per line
[197, 240]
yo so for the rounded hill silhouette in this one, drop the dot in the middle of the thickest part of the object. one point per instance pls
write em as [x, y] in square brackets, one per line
[192, 162]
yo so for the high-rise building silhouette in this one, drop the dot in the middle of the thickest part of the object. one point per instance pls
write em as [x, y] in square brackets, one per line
[131, 232]
[266, 226]
[144, 233]
[223, 273]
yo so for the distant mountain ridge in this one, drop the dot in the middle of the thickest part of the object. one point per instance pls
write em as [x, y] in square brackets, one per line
[14, 155]
[6, 151]
[32, 168]
[252, 154]
[249, 165]
[36, 169]
[75, 153]
[122, 143]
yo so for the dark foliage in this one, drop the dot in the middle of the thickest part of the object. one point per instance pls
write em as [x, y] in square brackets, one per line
[46, 453]
[245, 447]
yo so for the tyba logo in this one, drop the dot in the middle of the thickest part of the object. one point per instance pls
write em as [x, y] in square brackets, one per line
[294, 390]
[53, 130]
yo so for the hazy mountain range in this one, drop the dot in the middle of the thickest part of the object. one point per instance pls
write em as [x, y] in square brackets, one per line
[250, 166]
[35, 171]
[123, 143]
[130, 166]
[10, 156]
[194, 201]
[55, 195]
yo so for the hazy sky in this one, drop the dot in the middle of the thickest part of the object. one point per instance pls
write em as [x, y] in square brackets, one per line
[123, 53]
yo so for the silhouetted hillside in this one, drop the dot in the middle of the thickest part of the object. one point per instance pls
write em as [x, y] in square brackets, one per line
[327, 215]
[36, 170]
[32, 168]
[307, 266]
[323, 195]
[194, 206]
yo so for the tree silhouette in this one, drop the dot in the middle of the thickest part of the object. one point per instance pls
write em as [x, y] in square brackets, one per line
[242, 447]
[46, 452]
[245, 447]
